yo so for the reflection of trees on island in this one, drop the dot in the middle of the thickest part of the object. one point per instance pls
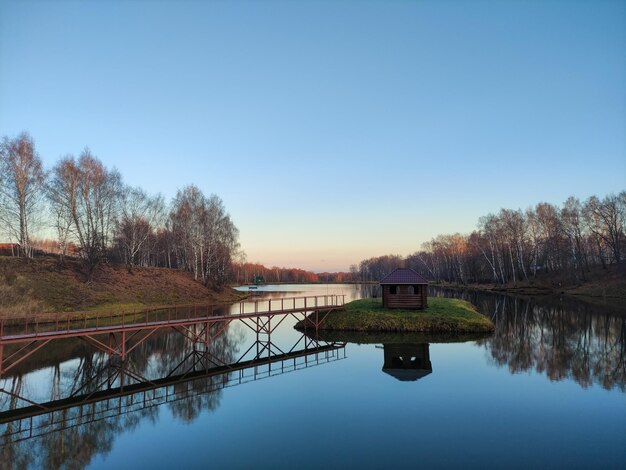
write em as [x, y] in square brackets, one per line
[561, 337]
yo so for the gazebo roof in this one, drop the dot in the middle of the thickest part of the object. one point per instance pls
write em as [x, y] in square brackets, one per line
[403, 276]
[407, 375]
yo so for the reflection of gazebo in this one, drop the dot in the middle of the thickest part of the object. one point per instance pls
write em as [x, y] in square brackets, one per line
[407, 362]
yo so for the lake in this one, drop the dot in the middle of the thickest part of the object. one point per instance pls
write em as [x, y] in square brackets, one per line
[546, 390]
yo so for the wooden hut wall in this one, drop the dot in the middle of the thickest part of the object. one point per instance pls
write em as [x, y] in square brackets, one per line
[403, 299]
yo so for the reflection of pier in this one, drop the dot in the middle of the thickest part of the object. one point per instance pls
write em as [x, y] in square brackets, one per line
[116, 385]
[118, 335]
[119, 390]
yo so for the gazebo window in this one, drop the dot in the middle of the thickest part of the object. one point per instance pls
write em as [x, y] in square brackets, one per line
[412, 290]
[393, 290]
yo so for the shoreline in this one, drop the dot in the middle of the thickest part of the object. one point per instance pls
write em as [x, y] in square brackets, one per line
[609, 283]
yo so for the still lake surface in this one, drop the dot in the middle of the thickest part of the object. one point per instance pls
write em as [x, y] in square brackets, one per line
[547, 390]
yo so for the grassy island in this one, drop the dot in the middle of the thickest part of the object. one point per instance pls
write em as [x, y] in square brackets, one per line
[442, 316]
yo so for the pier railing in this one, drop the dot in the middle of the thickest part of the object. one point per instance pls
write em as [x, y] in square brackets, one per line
[94, 322]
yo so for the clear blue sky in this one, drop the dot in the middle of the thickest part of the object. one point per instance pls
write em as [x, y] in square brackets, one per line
[333, 131]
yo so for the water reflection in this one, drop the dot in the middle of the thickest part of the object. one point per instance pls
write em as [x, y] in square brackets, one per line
[560, 337]
[407, 362]
[66, 419]
[90, 400]
[406, 356]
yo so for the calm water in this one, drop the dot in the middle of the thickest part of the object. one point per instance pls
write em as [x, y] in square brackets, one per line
[546, 390]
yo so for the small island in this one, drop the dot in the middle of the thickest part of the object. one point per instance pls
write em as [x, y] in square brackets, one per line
[441, 316]
[404, 307]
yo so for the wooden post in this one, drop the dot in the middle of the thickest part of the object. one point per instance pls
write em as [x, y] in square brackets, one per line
[123, 345]
[1, 355]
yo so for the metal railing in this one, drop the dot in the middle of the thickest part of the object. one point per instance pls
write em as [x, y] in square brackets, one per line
[163, 316]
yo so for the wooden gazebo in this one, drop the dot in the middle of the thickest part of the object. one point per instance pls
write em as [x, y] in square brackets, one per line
[404, 288]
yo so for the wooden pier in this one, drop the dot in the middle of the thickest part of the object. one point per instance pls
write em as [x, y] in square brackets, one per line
[119, 334]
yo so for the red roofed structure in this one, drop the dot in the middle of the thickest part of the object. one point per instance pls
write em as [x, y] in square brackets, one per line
[404, 288]
[9, 249]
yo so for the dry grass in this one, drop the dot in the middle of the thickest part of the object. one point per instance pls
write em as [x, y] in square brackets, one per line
[609, 283]
[17, 298]
[42, 285]
[605, 283]
[17, 294]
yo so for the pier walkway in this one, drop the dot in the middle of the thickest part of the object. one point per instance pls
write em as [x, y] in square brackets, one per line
[118, 334]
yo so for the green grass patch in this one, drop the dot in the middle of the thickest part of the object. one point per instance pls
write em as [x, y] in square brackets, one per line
[442, 316]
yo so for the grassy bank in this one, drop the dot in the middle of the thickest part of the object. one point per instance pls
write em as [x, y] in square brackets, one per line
[42, 285]
[600, 283]
[441, 316]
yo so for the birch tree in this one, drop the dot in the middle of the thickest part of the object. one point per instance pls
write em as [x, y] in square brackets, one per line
[571, 215]
[21, 189]
[205, 237]
[140, 216]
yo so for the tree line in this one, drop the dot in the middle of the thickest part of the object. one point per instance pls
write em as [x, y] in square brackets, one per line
[244, 272]
[516, 245]
[97, 217]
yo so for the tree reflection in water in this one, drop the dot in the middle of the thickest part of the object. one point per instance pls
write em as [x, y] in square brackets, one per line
[92, 399]
[74, 446]
[561, 337]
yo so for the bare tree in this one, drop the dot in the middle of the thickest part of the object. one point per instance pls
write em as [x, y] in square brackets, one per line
[571, 215]
[21, 190]
[87, 194]
[205, 237]
[62, 192]
[594, 223]
[140, 216]
[513, 245]
[606, 220]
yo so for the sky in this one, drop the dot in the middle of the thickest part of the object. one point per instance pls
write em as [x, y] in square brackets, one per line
[333, 130]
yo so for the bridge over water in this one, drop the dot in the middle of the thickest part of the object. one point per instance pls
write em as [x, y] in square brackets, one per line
[119, 334]
[116, 387]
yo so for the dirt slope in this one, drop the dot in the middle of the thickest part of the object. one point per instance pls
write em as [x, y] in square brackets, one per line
[42, 285]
